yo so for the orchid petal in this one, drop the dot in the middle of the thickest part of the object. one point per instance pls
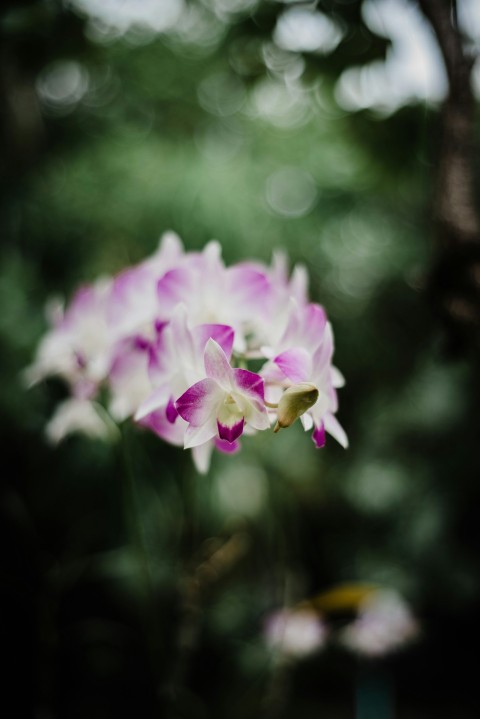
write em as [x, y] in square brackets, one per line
[195, 436]
[154, 402]
[247, 286]
[222, 334]
[250, 384]
[217, 365]
[158, 423]
[201, 455]
[170, 247]
[333, 427]
[296, 364]
[338, 380]
[257, 417]
[318, 436]
[305, 327]
[226, 447]
[172, 288]
[200, 402]
[230, 432]
[323, 356]
[306, 421]
[299, 284]
[182, 340]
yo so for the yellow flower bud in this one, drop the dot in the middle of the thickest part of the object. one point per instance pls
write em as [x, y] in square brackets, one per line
[295, 401]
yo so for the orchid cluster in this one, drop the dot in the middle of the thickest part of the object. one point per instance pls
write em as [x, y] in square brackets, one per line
[169, 341]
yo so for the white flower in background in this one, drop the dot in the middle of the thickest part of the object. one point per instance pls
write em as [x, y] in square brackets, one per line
[295, 633]
[78, 415]
[384, 624]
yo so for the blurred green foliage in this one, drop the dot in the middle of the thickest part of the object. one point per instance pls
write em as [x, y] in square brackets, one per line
[202, 139]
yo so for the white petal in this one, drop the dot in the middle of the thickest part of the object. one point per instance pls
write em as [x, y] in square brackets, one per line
[156, 400]
[307, 421]
[256, 417]
[195, 436]
[333, 427]
[201, 455]
[338, 380]
[217, 365]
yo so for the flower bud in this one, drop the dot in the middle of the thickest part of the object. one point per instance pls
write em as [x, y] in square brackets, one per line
[295, 401]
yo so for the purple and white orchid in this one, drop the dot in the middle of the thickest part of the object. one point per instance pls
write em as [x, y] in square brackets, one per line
[222, 403]
[168, 342]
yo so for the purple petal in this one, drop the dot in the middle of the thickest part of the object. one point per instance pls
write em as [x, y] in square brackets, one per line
[230, 432]
[222, 334]
[296, 364]
[306, 327]
[199, 403]
[172, 288]
[159, 424]
[315, 318]
[227, 447]
[132, 299]
[318, 436]
[247, 287]
[217, 365]
[250, 384]
[171, 411]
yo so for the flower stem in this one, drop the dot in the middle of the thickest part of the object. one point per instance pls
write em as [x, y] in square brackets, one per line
[136, 536]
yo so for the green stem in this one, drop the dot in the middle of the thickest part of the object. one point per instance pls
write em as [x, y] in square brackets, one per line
[136, 536]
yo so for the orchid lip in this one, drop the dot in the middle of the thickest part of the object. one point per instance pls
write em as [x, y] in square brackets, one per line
[318, 436]
[230, 432]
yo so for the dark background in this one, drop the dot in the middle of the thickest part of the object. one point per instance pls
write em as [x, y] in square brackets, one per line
[111, 135]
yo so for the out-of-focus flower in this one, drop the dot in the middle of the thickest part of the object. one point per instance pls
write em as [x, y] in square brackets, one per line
[168, 342]
[384, 624]
[78, 346]
[295, 633]
[78, 415]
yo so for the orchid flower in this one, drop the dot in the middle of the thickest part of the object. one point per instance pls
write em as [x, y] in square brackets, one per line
[77, 348]
[176, 360]
[313, 372]
[222, 403]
